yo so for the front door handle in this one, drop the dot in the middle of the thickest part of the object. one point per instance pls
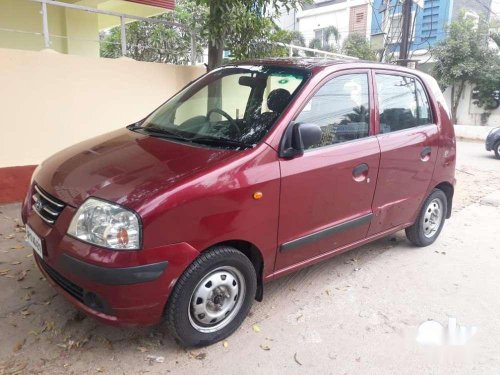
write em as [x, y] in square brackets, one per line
[360, 172]
[425, 154]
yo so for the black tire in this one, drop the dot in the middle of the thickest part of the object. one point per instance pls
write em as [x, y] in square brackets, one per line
[180, 317]
[496, 148]
[419, 233]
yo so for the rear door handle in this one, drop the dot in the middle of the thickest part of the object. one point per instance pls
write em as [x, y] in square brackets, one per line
[360, 172]
[425, 153]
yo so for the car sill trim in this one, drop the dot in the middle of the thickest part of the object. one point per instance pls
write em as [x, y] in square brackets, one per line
[291, 245]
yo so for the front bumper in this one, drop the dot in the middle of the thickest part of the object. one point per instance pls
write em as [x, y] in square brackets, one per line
[115, 287]
[112, 276]
[490, 140]
[489, 144]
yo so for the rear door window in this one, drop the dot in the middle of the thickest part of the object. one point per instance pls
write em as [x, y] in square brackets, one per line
[402, 102]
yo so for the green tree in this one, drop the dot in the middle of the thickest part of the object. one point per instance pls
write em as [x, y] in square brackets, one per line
[496, 38]
[155, 42]
[245, 28]
[314, 43]
[331, 36]
[237, 20]
[295, 38]
[264, 42]
[463, 57]
[328, 42]
[358, 46]
[487, 85]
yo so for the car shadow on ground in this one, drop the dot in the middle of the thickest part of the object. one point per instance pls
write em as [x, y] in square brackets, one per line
[78, 326]
[489, 156]
[35, 319]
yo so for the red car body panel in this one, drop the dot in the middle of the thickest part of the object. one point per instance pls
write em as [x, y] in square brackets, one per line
[403, 178]
[138, 304]
[190, 198]
[310, 197]
[123, 167]
[311, 185]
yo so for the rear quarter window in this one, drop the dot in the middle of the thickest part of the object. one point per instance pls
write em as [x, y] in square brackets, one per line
[437, 93]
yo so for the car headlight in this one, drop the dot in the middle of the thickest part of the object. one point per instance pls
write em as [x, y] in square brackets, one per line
[107, 225]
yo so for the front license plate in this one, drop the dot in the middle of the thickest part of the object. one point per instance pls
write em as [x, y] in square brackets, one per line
[34, 241]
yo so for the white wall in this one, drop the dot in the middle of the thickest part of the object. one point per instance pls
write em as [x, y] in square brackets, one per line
[470, 114]
[474, 132]
[288, 20]
[50, 101]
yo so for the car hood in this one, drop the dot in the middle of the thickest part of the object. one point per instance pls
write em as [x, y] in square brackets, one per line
[124, 167]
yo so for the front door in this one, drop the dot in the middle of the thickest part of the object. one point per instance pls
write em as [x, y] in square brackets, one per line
[409, 139]
[326, 194]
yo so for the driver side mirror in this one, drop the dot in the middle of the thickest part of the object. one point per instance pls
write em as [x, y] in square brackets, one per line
[299, 137]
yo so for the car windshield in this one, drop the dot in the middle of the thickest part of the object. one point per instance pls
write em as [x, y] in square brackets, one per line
[232, 107]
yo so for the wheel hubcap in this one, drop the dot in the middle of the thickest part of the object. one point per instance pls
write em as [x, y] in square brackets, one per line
[432, 218]
[217, 299]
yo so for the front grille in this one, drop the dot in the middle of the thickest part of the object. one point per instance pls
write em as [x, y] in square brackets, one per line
[64, 283]
[46, 206]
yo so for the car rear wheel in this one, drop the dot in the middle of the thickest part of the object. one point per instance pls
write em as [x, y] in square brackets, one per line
[212, 297]
[430, 220]
[496, 148]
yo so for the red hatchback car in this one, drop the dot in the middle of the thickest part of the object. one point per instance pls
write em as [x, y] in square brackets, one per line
[250, 172]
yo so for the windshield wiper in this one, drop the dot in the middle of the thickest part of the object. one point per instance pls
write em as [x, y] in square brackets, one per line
[168, 134]
[164, 133]
[221, 141]
[134, 126]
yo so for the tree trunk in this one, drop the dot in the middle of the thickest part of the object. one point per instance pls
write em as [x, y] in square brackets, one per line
[455, 100]
[214, 88]
[214, 56]
[215, 52]
[215, 42]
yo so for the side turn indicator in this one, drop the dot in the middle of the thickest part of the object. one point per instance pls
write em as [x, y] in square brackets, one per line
[258, 195]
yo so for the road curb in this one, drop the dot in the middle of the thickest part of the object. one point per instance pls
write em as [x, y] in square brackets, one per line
[472, 132]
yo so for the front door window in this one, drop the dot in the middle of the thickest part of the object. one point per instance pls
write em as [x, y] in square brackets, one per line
[341, 109]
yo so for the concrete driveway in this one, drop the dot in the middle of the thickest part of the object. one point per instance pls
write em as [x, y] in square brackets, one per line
[358, 313]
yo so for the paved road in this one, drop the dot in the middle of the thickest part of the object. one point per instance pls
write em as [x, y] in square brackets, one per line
[474, 154]
[358, 313]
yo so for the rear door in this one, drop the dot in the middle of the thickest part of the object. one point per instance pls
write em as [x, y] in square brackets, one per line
[326, 194]
[408, 138]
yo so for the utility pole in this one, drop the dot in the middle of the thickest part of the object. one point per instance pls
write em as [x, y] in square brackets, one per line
[405, 33]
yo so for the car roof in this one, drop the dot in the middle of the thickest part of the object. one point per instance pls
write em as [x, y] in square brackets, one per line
[298, 62]
[319, 63]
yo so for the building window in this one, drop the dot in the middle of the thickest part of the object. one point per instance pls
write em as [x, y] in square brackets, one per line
[319, 34]
[358, 19]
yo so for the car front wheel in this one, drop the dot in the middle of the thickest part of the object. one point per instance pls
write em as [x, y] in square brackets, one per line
[430, 220]
[212, 297]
